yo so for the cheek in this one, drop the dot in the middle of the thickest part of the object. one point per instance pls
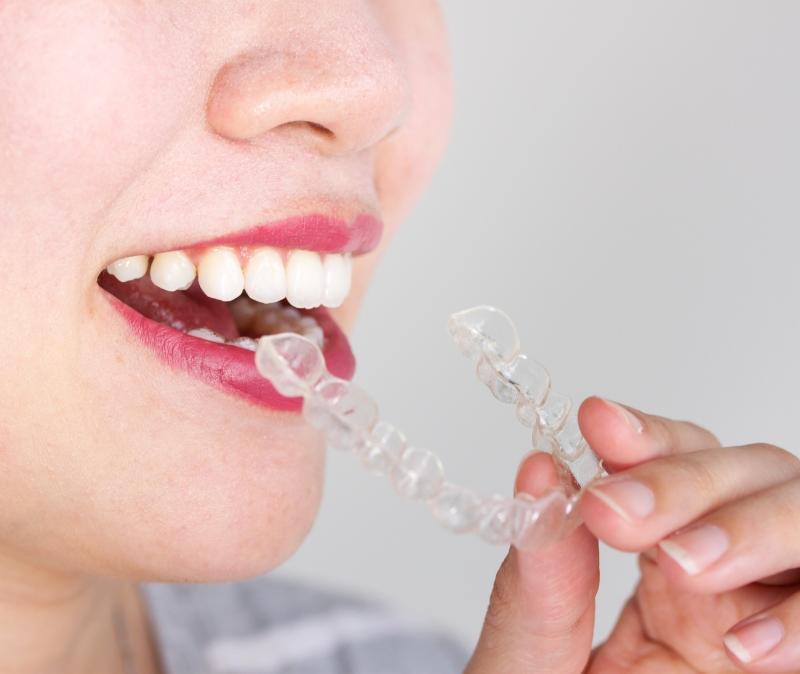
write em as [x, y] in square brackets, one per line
[85, 105]
[407, 159]
[86, 101]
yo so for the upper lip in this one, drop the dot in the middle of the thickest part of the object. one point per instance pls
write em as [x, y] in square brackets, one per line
[310, 231]
[314, 230]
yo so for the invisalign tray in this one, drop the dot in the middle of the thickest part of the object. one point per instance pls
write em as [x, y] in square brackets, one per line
[349, 419]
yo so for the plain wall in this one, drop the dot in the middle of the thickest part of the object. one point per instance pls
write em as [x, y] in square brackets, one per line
[623, 179]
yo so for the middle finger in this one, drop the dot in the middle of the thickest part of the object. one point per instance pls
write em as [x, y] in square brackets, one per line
[634, 509]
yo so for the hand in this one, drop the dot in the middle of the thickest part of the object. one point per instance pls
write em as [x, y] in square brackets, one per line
[541, 613]
[706, 596]
[721, 594]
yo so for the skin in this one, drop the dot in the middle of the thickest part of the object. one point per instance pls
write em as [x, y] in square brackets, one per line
[541, 615]
[141, 125]
[137, 126]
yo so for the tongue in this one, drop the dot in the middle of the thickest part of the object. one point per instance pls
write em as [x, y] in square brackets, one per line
[183, 310]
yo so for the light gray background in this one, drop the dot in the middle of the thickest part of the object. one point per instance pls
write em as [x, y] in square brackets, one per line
[624, 179]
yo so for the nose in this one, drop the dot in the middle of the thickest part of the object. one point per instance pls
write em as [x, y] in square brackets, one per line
[341, 96]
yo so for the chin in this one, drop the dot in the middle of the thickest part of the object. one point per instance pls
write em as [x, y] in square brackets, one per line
[245, 516]
[251, 542]
[229, 504]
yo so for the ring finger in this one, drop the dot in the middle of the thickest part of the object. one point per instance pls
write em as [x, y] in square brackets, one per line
[768, 641]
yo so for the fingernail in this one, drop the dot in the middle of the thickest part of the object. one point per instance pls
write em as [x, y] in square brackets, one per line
[754, 640]
[696, 549]
[626, 415]
[630, 499]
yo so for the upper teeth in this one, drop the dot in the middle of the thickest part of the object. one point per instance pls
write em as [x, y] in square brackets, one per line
[265, 277]
[129, 268]
[172, 271]
[220, 274]
[305, 278]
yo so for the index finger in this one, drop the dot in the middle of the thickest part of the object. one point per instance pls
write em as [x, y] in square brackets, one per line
[623, 436]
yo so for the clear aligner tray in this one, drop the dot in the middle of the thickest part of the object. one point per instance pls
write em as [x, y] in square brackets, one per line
[349, 419]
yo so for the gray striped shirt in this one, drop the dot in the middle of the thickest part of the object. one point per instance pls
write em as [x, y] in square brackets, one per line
[274, 626]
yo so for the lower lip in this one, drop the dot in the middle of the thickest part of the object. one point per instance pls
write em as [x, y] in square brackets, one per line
[228, 367]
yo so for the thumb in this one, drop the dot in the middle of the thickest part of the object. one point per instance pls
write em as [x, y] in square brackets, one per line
[540, 618]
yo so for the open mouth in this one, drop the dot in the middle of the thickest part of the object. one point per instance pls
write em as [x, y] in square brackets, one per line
[202, 308]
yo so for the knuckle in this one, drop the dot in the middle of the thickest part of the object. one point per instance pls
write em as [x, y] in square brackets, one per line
[692, 473]
[682, 433]
[663, 430]
[703, 478]
[760, 447]
[785, 509]
[777, 455]
[711, 440]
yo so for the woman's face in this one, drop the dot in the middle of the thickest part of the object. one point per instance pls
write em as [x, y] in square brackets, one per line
[137, 127]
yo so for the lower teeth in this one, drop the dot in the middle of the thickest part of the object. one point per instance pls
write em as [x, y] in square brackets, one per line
[208, 335]
[245, 343]
[263, 319]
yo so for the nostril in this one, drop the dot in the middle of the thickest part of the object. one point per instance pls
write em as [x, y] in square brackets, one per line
[312, 133]
[320, 134]
[319, 128]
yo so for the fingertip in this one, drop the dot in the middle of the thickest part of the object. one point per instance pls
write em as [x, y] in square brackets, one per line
[591, 409]
[537, 474]
[614, 432]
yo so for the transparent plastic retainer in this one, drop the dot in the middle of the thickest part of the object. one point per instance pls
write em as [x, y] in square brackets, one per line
[349, 419]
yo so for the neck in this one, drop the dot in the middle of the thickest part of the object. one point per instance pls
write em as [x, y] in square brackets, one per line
[71, 624]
